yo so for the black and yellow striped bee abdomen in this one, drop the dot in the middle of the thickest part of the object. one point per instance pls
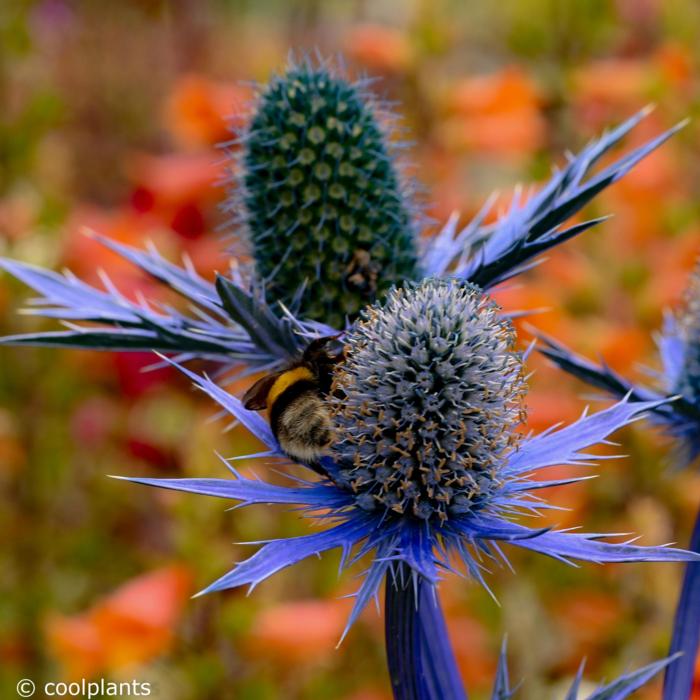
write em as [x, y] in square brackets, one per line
[298, 415]
[295, 399]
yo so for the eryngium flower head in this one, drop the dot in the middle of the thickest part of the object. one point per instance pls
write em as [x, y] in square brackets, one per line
[494, 492]
[428, 400]
[321, 196]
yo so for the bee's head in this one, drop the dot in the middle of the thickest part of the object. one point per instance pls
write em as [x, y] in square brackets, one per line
[319, 356]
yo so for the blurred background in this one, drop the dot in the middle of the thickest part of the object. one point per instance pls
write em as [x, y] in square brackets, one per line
[110, 117]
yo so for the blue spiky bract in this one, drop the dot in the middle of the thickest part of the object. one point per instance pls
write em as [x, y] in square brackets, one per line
[229, 322]
[321, 194]
[427, 546]
[619, 689]
[490, 254]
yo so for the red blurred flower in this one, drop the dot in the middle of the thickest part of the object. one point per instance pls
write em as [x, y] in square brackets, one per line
[133, 373]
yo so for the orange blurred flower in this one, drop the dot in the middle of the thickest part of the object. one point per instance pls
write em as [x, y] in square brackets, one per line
[471, 645]
[586, 617]
[299, 632]
[675, 63]
[623, 346]
[497, 114]
[605, 89]
[547, 407]
[130, 626]
[201, 112]
[381, 48]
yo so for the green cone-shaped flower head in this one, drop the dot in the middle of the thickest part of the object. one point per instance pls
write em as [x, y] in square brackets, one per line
[322, 198]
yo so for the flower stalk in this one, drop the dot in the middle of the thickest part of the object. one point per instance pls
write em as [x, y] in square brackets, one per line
[421, 662]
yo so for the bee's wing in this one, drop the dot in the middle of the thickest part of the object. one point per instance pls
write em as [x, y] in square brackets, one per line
[255, 399]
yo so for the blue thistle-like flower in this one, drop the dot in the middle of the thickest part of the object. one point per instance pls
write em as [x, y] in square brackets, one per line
[320, 195]
[479, 511]
[679, 349]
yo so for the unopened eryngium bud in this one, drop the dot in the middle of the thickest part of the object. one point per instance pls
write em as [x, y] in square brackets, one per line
[427, 403]
[322, 198]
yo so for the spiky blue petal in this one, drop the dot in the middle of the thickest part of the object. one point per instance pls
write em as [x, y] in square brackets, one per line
[624, 686]
[488, 255]
[679, 417]
[565, 546]
[228, 322]
[565, 446]
[252, 491]
[279, 554]
[501, 684]
[618, 689]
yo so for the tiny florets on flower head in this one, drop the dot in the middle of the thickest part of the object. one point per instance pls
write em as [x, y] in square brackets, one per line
[688, 381]
[428, 399]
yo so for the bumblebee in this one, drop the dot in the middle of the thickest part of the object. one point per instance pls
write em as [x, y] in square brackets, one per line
[295, 400]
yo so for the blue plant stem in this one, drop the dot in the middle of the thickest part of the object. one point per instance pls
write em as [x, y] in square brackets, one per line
[421, 663]
[678, 681]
